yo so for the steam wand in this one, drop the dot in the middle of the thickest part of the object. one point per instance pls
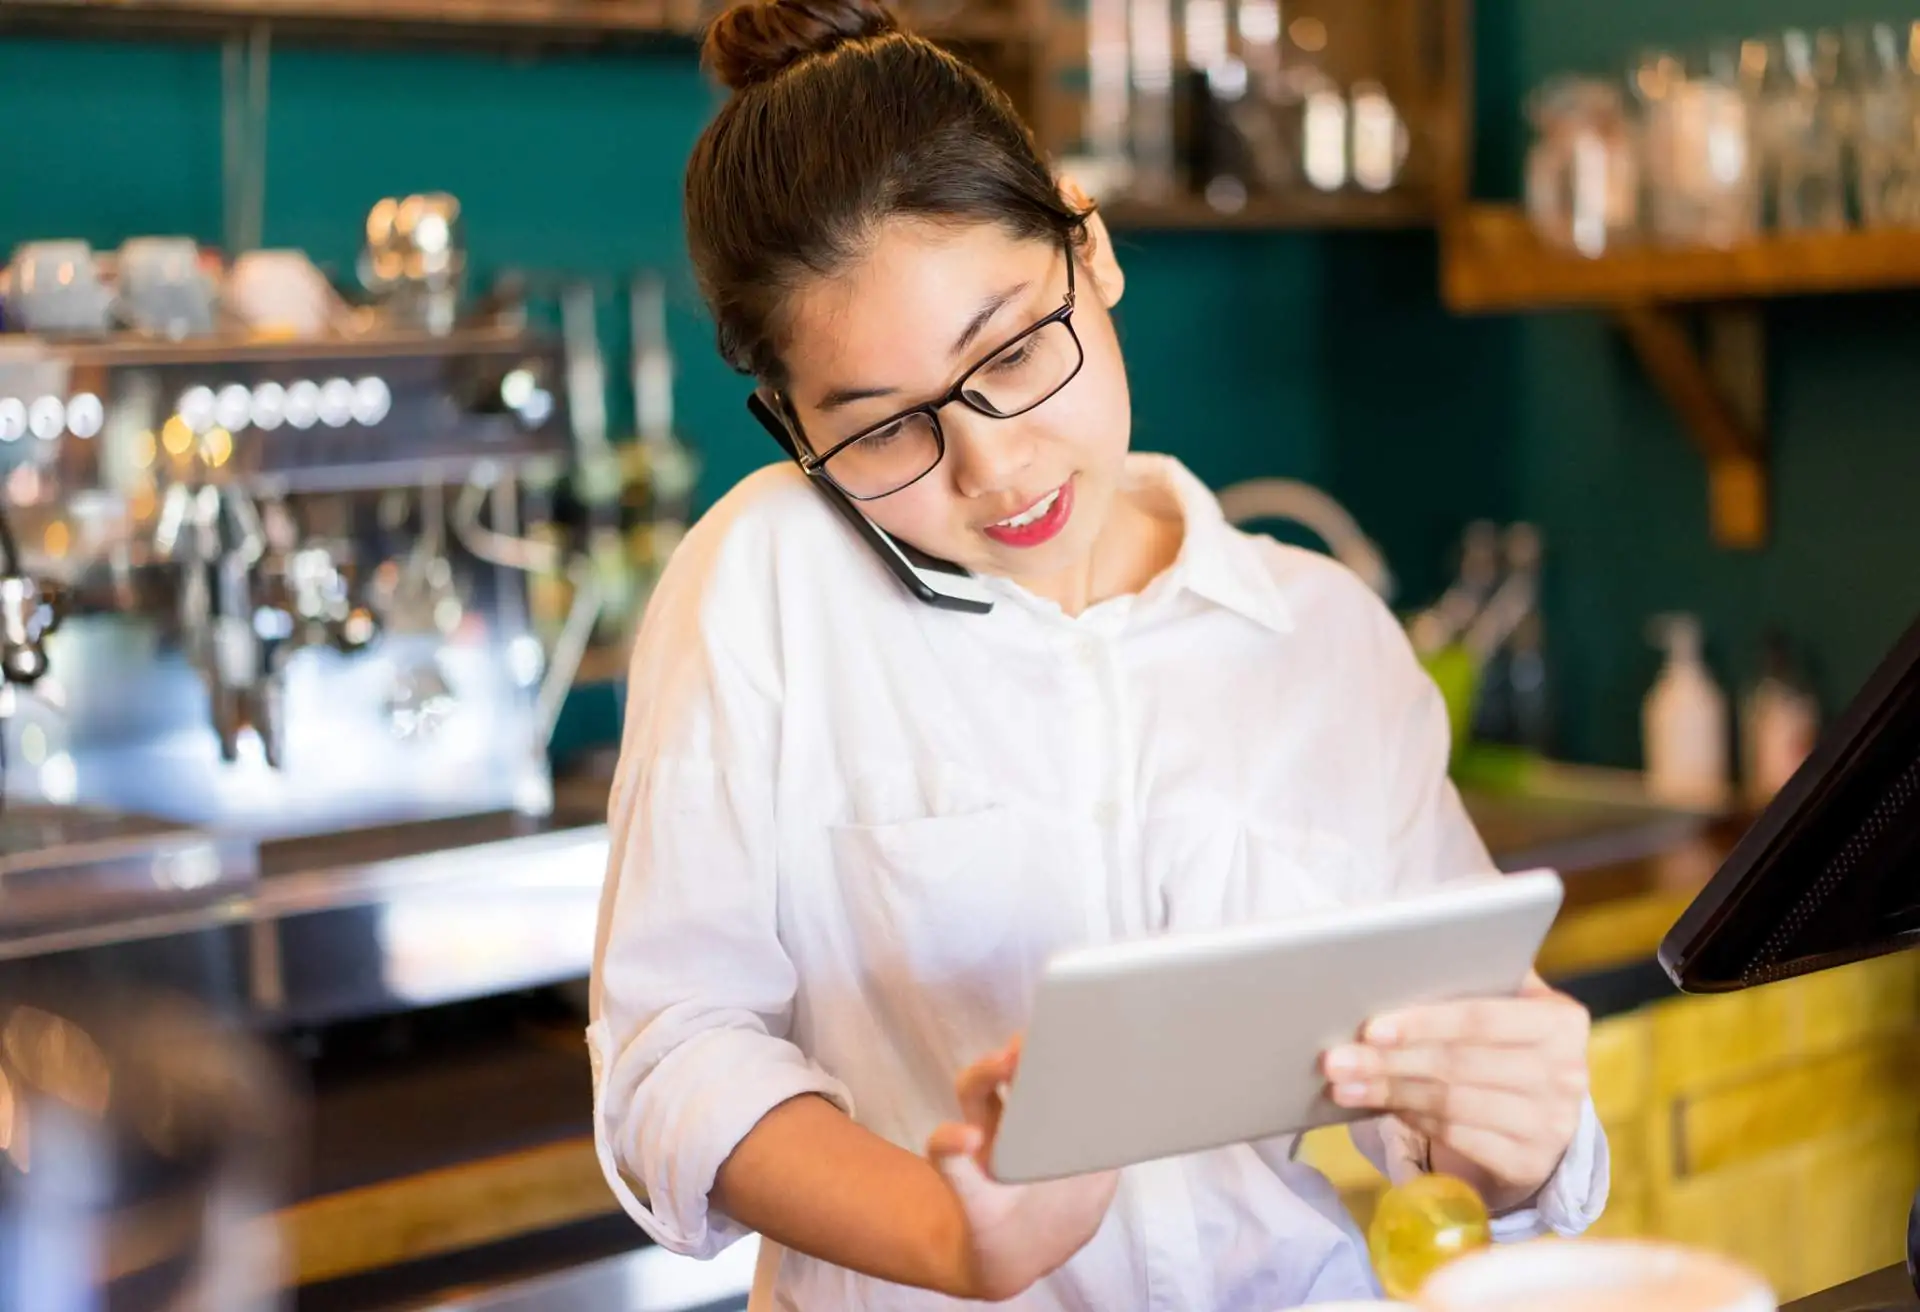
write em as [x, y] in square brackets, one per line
[27, 616]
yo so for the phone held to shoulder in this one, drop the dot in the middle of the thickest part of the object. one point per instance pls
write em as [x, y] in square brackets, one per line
[936, 582]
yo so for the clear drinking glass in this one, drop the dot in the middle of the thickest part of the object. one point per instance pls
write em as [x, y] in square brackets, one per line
[1804, 120]
[1380, 140]
[1583, 174]
[1881, 72]
[1701, 183]
[1150, 37]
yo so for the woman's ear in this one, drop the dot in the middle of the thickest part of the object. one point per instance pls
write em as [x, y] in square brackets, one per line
[1108, 278]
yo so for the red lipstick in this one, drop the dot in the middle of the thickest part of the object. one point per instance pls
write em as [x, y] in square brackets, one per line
[1043, 529]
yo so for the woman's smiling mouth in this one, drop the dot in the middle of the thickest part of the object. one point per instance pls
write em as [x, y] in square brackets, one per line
[1038, 523]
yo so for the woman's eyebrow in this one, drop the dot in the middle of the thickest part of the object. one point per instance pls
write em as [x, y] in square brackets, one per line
[845, 396]
[984, 315]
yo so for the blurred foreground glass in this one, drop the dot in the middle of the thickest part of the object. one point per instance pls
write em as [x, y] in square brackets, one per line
[1881, 72]
[1583, 176]
[142, 1152]
[1701, 185]
[1420, 1226]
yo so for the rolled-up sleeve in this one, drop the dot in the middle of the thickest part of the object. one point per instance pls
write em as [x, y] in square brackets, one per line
[692, 991]
[1572, 1199]
[1575, 1194]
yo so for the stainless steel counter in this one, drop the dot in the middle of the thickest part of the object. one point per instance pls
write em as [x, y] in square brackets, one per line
[496, 856]
[349, 925]
[559, 861]
[315, 929]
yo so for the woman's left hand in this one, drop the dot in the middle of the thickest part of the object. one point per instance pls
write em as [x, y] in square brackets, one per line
[1495, 1084]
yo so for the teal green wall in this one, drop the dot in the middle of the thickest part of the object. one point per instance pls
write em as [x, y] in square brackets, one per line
[1323, 356]
[1600, 463]
[574, 164]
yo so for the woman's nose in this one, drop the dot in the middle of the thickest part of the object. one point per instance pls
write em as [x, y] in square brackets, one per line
[988, 455]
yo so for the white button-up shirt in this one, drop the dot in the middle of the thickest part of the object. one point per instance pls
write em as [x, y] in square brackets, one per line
[848, 830]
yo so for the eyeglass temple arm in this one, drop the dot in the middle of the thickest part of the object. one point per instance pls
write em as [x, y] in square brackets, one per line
[770, 419]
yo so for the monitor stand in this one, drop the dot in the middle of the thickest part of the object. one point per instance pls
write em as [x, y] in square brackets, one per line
[1913, 1250]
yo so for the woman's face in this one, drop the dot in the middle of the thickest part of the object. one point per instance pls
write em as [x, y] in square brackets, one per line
[927, 303]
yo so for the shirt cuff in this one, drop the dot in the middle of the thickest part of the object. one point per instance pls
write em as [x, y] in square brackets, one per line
[1574, 1196]
[1572, 1199]
[662, 1136]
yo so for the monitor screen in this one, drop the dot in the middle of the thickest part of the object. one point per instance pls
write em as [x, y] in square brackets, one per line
[1830, 872]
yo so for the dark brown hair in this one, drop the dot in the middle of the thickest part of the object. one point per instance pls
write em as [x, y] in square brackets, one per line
[838, 121]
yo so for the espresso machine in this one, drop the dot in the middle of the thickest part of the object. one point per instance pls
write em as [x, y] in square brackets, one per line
[270, 606]
[273, 588]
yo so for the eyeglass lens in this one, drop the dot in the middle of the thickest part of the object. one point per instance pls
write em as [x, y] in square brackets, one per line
[1012, 381]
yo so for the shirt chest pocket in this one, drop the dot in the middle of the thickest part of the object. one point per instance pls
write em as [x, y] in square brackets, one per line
[1215, 870]
[960, 912]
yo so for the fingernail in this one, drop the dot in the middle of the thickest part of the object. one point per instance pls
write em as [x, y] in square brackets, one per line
[1383, 1031]
[1351, 1093]
[1343, 1061]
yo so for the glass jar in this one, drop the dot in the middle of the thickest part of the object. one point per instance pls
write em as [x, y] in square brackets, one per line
[1583, 177]
[1882, 78]
[1701, 186]
[1804, 117]
[1380, 141]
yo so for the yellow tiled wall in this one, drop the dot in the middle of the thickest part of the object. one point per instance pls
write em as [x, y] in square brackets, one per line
[1780, 1125]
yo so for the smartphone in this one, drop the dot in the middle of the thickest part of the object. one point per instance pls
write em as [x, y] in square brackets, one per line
[934, 581]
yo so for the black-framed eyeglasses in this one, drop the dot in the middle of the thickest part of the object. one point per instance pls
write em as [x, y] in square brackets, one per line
[894, 454]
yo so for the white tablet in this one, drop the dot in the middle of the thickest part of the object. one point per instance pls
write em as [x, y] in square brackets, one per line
[1157, 1047]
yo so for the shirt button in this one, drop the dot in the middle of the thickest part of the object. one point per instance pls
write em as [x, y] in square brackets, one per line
[1107, 813]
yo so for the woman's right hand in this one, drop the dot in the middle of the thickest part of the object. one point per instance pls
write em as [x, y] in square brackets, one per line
[1009, 1235]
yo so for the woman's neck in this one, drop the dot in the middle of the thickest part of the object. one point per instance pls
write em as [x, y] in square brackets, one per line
[1134, 547]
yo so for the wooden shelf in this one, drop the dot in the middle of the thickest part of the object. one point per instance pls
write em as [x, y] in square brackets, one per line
[1692, 319]
[613, 23]
[1407, 209]
[1492, 261]
[134, 352]
[565, 22]
[980, 29]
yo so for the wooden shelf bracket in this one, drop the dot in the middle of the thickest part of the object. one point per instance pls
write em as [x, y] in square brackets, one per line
[1717, 388]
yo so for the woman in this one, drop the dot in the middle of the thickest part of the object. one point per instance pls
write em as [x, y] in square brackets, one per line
[849, 828]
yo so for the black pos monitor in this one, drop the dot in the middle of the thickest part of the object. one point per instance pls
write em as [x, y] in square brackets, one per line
[1830, 872]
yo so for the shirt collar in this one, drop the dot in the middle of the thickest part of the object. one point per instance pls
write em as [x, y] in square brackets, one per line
[1216, 561]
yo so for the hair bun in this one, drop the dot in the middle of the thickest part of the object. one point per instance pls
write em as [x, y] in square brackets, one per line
[753, 40]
